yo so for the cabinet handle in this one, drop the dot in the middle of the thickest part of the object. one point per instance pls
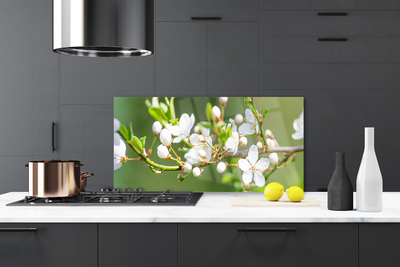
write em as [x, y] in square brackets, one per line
[266, 229]
[332, 39]
[18, 229]
[206, 18]
[333, 14]
[52, 136]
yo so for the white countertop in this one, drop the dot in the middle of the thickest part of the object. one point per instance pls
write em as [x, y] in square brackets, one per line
[211, 208]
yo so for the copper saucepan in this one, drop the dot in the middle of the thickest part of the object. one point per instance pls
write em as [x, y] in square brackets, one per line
[56, 178]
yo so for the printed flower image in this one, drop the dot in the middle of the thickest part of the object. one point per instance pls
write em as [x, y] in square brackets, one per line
[208, 144]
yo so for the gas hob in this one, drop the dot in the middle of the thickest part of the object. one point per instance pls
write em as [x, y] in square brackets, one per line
[117, 197]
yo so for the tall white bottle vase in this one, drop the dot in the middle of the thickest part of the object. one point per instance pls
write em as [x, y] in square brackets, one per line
[369, 177]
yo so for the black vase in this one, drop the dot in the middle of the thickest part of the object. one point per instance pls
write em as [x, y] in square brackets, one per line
[340, 190]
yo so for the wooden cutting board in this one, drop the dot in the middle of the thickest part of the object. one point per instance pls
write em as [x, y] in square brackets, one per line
[263, 202]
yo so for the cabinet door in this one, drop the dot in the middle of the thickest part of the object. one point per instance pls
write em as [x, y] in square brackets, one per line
[267, 245]
[138, 245]
[379, 244]
[48, 245]
[87, 80]
[86, 135]
[232, 58]
[181, 59]
[28, 75]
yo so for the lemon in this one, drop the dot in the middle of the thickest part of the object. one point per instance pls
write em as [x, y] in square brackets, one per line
[273, 191]
[295, 194]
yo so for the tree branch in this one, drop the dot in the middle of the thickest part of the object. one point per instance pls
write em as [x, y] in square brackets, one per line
[284, 149]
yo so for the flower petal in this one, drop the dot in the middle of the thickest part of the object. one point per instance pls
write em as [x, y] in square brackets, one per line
[253, 155]
[194, 140]
[177, 139]
[244, 165]
[246, 129]
[259, 178]
[262, 164]
[247, 177]
[249, 116]
[175, 130]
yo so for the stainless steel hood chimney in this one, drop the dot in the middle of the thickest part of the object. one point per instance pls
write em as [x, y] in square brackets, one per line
[103, 28]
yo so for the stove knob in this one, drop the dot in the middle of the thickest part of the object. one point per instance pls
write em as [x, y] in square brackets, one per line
[105, 190]
[127, 190]
[116, 190]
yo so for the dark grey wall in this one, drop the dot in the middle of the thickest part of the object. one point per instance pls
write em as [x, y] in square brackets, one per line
[346, 86]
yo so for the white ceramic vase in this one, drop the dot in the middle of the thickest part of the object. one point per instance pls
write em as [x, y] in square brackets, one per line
[369, 177]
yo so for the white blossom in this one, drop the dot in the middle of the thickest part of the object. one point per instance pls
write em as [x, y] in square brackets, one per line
[250, 126]
[165, 137]
[216, 111]
[117, 125]
[202, 153]
[259, 145]
[119, 151]
[251, 167]
[162, 151]
[223, 101]
[196, 129]
[273, 158]
[192, 156]
[221, 167]
[183, 127]
[238, 119]
[271, 143]
[200, 143]
[298, 125]
[156, 128]
[232, 143]
[196, 172]
[187, 167]
[243, 141]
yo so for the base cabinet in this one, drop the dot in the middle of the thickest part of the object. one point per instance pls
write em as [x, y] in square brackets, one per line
[48, 245]
[268, 245]
[138, 244]
[379, 244]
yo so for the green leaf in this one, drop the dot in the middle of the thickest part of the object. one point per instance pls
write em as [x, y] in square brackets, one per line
[137, 143]
[143, 141]
[265, 113]
[130, 132]
[253, 109]
[228, 131]
[164, 108]
[246, 101]
[259, 189]
[220, 124]
[223, 137]
[172, 107]
[124, 132]
[205, 124]
[209, 113]
[158, 115]
[147, 103]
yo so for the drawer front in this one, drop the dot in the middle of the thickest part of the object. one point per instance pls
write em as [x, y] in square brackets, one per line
[378, 4]
[227, 10]
[333, 4]
[48, 245]
[309, 23]
[267, 245]
[309, 49]
[284, 4]
[329, 76]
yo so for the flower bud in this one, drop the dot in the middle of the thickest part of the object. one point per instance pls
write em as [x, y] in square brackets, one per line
[202, 153]
[239, 119]
[243, 141]
[271, 143]
[187, 167]
[216, 111]
[196, 129]
[117, 125]
[196, 172]
[165, 137]
[221, 167]
[223, 101]
[157, 127]
[162, 151]
[273, 158]
[259, 145]
[269, 134]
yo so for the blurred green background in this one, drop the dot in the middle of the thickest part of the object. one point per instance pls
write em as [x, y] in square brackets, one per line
[134, 174]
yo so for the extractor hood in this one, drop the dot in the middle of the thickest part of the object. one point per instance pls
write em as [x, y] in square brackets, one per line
[103, 28]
